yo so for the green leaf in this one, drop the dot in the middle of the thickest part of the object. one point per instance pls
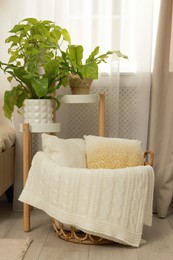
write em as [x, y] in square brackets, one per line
[47, 22]
[56, 35]
[40, 86]
[89, 70]
[29, 76]
[30, 20]
[22, 96]
[19, 74]
[14, 39]
[105, 55]
[66, 35]
[63, 81]
[121, 55]
[9, 78]
[12, 58]
[17, 28]
[75, 54]
[93, 54]
[12, 98]
[52, 68]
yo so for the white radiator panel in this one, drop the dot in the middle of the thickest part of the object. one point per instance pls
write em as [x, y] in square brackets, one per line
[126, 114]
[83, 118]
[134, 113]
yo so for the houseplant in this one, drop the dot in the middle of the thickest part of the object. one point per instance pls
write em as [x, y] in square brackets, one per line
[35, 62]
[40, 63]
[81, 74]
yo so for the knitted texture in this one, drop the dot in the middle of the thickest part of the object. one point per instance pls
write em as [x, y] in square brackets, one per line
[113, 204]
[112, 153]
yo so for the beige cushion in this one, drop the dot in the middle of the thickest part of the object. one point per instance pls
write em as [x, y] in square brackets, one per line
[111, 153]
[66, 152]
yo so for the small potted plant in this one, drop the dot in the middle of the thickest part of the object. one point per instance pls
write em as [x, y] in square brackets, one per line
[81, 74]
[35, 62]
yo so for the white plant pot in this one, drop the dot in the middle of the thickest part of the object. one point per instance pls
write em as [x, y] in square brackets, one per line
[38, 111]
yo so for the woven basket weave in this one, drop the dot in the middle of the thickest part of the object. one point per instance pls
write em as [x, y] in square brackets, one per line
[79, 86]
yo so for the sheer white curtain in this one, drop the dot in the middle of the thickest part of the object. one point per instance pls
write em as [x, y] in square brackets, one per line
[136, 40]
[90, 23]
[112, 24]
[95, 22]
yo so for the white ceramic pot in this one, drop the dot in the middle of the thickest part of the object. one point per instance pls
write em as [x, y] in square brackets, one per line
[38, 111]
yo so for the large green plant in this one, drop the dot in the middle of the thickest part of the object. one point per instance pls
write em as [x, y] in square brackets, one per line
[35, 62]
[73, 60]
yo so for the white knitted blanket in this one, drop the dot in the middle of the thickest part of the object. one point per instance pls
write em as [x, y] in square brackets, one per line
[113, 204]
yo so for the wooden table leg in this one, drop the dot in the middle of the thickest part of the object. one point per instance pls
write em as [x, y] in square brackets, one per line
[26, 166]
[102, 115]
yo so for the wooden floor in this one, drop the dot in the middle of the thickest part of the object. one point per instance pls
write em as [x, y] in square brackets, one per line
[45, 245]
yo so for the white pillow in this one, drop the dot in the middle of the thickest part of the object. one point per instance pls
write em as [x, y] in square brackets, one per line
[66, 152]
[111, 153]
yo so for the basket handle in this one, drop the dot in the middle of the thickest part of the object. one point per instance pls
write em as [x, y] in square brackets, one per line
[148, 158]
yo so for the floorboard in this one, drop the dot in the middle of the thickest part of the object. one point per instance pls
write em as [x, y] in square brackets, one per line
[46, 246]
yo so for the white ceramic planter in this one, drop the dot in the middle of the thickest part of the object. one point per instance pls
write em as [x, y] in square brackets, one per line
[38, 111]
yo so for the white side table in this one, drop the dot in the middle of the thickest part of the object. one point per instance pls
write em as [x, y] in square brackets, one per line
[27, 130]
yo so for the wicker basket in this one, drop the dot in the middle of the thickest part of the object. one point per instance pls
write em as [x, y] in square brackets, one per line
[76, 236]
[79, 86]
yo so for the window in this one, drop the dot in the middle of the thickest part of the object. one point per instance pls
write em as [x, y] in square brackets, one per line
[115, 24]
[112, 24]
